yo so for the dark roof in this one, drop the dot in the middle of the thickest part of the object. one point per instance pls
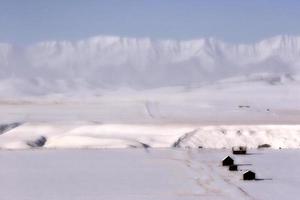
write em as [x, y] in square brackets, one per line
[227, 158]
[249, 172]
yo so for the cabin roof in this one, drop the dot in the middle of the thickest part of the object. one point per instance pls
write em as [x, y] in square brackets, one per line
[227, 158]
[249, 172]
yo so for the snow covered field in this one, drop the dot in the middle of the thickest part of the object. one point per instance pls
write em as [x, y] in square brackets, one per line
[111, 91]
[100, 118]
[214, 118]
[145, 174]
[136, 160]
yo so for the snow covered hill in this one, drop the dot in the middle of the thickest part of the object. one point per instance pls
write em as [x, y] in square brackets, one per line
[96, 135]
[131, 92]
[105, 62]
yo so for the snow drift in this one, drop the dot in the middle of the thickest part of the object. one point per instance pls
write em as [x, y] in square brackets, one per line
[275, 136]
[106, 62]
[91, 135]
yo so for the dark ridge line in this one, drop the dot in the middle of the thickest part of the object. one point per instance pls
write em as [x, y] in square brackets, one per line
[177, 143]
[7, 127]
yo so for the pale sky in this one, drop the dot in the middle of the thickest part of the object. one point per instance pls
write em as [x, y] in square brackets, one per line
[235, 21]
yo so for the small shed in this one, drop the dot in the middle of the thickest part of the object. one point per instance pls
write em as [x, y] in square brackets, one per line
[233, 167]
[244, 106]
[249, 175]
[227, 161]
[239, 150]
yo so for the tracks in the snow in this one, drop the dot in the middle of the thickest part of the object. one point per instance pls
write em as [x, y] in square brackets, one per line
[211, 179]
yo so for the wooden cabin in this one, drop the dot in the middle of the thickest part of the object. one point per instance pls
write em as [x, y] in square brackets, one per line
[249, 175]
[239, 150]
[227, 161]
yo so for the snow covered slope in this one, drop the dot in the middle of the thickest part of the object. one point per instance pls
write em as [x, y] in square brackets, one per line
[105, 62]
[130, 92]
[94, 135]
[275, 136]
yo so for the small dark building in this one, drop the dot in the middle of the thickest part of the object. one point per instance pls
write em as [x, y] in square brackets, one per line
[263, 146]
[244, 106]
[249, 175]
[227, 161]
[239, 150]
[233, 167]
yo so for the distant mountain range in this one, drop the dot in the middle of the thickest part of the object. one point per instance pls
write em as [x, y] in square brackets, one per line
[108, 62]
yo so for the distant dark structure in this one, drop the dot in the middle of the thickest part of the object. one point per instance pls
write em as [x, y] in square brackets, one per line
[244, 106]
[239, 150]
[249, 175]
[263, 146]
[233, 167]
[227, 161]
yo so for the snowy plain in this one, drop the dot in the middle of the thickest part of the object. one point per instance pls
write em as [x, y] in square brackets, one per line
[146, 174]
[71, 110]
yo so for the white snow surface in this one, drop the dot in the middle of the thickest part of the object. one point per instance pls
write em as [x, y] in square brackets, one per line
[109, 91]
[93, 135]
[133, 174]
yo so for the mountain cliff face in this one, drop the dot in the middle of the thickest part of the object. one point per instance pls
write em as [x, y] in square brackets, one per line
[106, 62]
